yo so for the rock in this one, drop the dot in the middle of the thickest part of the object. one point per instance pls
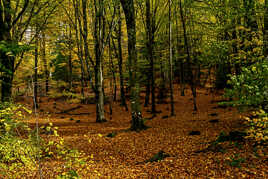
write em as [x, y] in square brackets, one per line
[158, 157]
[194, 133]
[165, 117]
[214, 121]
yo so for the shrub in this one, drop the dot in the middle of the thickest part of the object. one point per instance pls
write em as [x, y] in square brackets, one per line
[21, 149]
[17, 152]
[258, 125]
[250, 91]
[250, 88]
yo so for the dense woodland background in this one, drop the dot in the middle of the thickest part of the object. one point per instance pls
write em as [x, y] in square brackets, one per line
[140, 57]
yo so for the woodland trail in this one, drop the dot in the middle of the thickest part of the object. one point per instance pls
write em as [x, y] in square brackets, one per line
[124, 155]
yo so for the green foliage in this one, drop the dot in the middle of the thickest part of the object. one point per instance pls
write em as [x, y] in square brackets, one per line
[17, 154]
[13, 49]
[71, 174]
[61, 67]
[258, 125]
[21, 148]
[71, 97]
[216, 54]
[112, 134]
[11, 115]
[250, 88]
[236, 161]
[158, 157]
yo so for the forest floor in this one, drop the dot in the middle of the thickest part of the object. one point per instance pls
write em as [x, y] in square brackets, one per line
[126, 154]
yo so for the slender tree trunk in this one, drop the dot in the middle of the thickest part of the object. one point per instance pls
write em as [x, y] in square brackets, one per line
[182, 81]
[148, 91]
[112, 69]
[171, 63]
[70, 65]
[79, 46]
[129, 11]
[189, 67]
[265, 37]
[45, 62]
[35, 102]
[84, 33]
[112, 81]
[150, 55]
[120, 61]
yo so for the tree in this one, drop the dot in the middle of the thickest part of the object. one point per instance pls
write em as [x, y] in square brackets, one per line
[15, 19]
[129, 11]
[7, 60]
[189, 61]
[170, 61]
[265, 37]
[120, 59]
[99, 37]
[35, 80]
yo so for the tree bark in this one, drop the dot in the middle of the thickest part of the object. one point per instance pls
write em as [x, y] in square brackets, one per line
[70, 65]
[265, 37]
[35, 81]
[98, 40]
[45, 62]
[7, 61]
[84, 33]
[79, 45]
[171, 63]
[129, 11]
[189, 66]
[120, 60]
[181, 63]
[150, 55]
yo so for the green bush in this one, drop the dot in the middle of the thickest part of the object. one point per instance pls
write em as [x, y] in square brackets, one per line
[258, 125]
[250, 91]
[17, 152]
[250, 88]
[21, 149]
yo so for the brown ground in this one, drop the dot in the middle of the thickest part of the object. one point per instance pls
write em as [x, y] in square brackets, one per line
[123, 156]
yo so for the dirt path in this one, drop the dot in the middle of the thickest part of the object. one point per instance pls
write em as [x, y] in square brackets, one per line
[123, 156]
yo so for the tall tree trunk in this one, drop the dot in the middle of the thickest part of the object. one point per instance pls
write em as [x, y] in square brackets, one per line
[6, 61]
[79, 46]
[98, 35]
[70, 65]
[182, 82]
[35, 102]
[84, 33]
[112, 81]
[45, 62]
[113, 72]
[120, 60]
[7, 76]
[189, 66]
[265, 37]
[129, 11]
[171, 63]
[148, 90]
[150, 55]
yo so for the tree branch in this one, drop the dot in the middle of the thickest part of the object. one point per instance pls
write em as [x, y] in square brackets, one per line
[26, 3]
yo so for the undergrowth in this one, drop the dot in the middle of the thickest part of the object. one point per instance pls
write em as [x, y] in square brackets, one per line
[23, 151]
